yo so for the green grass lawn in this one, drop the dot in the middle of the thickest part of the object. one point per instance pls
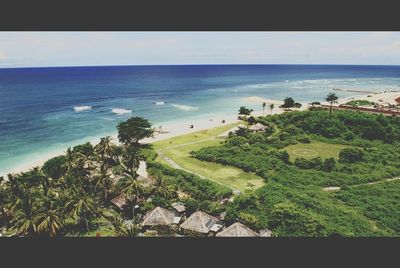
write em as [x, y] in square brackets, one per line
[179, 148]
[314, 149]
[360, 103]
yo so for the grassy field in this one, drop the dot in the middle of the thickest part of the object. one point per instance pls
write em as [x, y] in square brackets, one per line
[178, 149]
[314, 149]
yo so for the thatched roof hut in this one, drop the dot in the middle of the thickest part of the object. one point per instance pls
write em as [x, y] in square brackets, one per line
[237, 230]
[265, 233]
[398, 100]
[201, 222]
[160, 216]
[258, 127]
[119, 201]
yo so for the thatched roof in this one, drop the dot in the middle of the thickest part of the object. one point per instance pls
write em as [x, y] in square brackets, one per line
[160, 216]
[237, 230]
[179, 206]
[397, 100]
[120, 201]
[265, 233]
[258, 127]
[201, 222]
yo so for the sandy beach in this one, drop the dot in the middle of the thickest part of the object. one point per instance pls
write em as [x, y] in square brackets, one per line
[381, 98]
[172, 129]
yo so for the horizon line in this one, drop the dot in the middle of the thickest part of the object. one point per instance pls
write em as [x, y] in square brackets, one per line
[200, 64]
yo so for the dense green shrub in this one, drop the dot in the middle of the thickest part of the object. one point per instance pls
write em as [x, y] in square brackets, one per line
[55, 167]
[351, 155]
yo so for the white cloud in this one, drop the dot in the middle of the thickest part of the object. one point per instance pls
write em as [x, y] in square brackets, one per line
[108, 48]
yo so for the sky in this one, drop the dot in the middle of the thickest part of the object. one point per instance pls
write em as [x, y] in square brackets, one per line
[41, 49]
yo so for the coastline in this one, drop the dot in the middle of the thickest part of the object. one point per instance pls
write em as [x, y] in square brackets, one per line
[182, 126]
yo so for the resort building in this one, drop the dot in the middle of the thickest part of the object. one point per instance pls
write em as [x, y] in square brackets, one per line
[119, 201]
[160, 216]
[179, 207]
[265, 233]
[258, 127]
[201, 222]
[237, 230]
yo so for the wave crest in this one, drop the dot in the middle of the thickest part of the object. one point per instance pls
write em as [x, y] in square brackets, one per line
[120, 111]
[185, 107]
[160, 102]
[82, 108]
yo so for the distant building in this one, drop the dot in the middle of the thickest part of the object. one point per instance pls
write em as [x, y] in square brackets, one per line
[119, 201]
[237, 230]
[265, 233]
[160, 216]
[179, 207]
[258, 127]
[201, 222]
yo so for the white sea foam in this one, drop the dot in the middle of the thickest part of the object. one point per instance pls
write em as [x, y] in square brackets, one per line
[185, 107]
[82, 108]
[120, 111]
[160, 102]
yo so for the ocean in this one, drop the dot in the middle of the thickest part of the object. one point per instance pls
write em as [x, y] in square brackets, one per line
[43, 110]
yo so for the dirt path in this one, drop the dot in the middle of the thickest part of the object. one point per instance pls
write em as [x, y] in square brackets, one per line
[337, 188]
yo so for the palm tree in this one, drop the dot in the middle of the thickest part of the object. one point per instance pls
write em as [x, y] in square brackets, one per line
[24, 216]
[117, 225]
[271, 107]
[131, 159]
[50, 221]
[69, 157]
[105, 147]
[133, 190]
[104, 184]
[120, 229]
[263, 106]
[332, 98]
[81, 207]
[131, 231]
[3, 202]
[160, 187]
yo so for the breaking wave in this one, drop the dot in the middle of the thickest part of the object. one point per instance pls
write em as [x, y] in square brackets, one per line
[185, 107]
[82, 108]
[120, 111]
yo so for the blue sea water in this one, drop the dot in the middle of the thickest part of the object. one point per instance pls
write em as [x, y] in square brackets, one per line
[45, 109]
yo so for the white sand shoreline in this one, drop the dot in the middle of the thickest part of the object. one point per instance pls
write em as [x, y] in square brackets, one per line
[181, 127]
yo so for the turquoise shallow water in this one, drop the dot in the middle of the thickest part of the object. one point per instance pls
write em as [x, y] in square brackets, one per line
[47, 109]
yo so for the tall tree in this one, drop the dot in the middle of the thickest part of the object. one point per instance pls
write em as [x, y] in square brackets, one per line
[245, 111]
[288, 103]
[69, 158]
[133, 190]
[4, 193]
[104, 185]
[25, 216]
[263, 106]
[104, 148]
[160, 187]
[81, 207]
[133, 130]
[331, 98]
[50, 220]
[271, 107]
